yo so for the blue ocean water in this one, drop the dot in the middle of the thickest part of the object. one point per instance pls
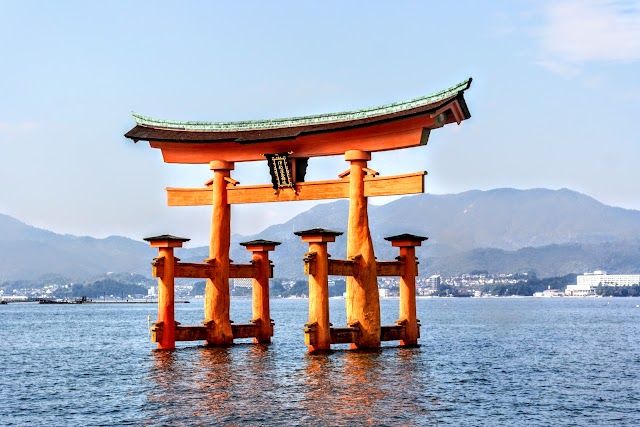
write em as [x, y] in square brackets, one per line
[493, 362]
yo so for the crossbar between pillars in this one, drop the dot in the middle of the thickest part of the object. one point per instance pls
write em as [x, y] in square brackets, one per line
[166, 267]
[319, 334]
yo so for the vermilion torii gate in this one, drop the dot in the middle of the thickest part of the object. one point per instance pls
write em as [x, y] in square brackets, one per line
[288, 144]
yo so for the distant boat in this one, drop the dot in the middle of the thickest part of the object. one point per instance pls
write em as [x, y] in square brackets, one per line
[60, 301]
[549, 293]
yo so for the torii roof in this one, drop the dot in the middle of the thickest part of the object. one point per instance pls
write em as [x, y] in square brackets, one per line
[317, 135]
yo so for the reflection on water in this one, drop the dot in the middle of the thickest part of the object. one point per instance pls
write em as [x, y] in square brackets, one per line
[483, 362]
[255, 385]
[348, 386]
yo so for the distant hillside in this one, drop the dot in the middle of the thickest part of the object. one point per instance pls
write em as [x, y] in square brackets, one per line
[546, 261]
[551, 232]
[497, 230]
[28, 252]
[510, 219]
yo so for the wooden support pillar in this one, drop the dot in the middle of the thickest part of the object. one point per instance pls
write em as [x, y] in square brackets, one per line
[363, 299]
[318, 329]
[260, 296]
[408, 316]
[217, 300]
[165, 326]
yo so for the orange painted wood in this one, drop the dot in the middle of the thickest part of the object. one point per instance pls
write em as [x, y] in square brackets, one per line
[260, 297]
[166, 315]
[200, 333]
[339, 267]
[404, 133]
[189, 196]
[395, 185]
[244, 330]
[363, 300]
[392, 332]
[310, 263]
[408, 316]
[193, 270]
[319, 299]
[205, 271]
[242, 271]
[157, 267]
[389, 268]
[191, 333]
[217, 299]
[344, 335]
[306, 191]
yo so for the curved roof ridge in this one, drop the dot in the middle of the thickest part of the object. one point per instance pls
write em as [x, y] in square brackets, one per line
[343, 116]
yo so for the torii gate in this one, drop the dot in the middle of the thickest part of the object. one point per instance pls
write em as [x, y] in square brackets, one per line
[287, 144]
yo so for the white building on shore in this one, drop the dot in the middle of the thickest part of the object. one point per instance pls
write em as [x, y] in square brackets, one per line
[587, 283]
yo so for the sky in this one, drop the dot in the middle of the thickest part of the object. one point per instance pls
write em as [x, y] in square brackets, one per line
[555, 98]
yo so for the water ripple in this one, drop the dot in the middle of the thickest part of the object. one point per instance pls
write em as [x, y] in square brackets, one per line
[482, 362]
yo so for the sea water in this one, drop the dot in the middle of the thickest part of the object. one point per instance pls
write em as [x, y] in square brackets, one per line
[494, 361]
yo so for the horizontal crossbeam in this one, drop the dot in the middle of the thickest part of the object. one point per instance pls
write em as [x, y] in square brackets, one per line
[200, 333]
[396, 185]
[343, 268]
[389, 268]
[205, 271]
[338, 267]
[349, 335]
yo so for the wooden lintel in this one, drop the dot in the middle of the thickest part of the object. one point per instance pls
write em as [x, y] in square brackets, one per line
[244, 330]
[200, 333]
[191, 333]
[344, 335]
[392, 333]
[193, 270]
[338, 267]
[396, 185]
[334, 189]
[389, 268]
[204, 271]
[242, 271]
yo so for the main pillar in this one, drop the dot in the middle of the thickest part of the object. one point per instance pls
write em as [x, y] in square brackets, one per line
[408, 316]
[318, 330]
[217, 299]
[363, 300]
[165, 326]
[260, 292]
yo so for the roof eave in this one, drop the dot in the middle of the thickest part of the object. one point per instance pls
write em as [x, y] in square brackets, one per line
[304, 121]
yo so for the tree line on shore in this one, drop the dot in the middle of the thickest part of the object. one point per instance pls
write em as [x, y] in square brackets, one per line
[530, 286]
[281, 288]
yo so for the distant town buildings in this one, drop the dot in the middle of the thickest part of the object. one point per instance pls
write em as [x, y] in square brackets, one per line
[463, 285]
[587, 283]
[434, 281]
[477, 284]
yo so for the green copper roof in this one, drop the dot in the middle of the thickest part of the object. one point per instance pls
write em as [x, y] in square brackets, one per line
[344, 116]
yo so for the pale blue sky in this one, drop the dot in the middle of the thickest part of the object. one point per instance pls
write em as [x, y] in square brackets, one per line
[555, 99]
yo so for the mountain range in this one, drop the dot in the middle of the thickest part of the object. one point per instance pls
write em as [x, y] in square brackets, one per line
[549, 232]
